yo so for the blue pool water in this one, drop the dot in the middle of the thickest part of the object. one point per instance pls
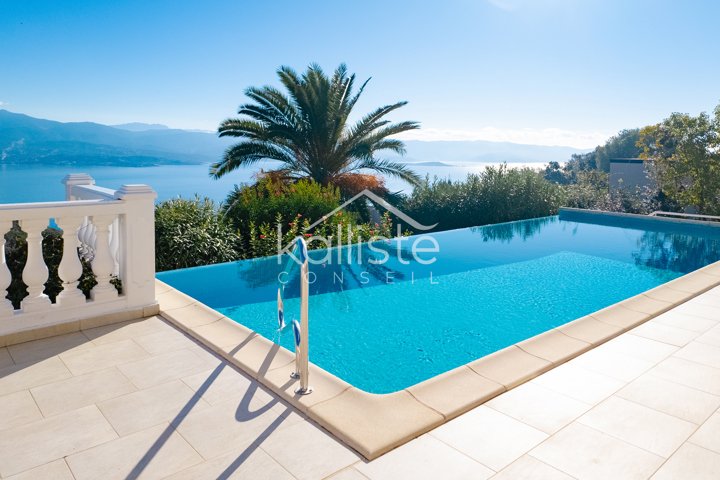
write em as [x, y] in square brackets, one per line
[385, 327]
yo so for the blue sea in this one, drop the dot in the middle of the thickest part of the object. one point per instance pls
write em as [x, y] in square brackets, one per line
[41, 183]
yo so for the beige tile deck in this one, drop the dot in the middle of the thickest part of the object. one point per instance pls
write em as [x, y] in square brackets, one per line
[586, 453]
[529, 468]
[425, 458]
[711, 337]
[38, 350]
[37, 443]
[126, 457]
[707, 435]
[691, 462]
[158, 404]
[549, 411]
[102, 356]
[80, 391]
[5, 359]
[490, 437]
[579, 383]
[644, 427]
[56, 470]
[672, 398]
[165, 367]
[18, 409]
[134, 400]
[257, 465]
[28, 375]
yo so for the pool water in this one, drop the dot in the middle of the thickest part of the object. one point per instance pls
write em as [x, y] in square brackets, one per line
[386, 327]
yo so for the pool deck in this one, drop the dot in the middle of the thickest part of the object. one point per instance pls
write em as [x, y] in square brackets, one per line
[143, 399]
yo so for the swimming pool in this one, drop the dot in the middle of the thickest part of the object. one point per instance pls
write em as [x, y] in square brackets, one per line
[385, 327]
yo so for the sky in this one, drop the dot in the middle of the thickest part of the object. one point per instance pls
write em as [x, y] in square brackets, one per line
[547, 72]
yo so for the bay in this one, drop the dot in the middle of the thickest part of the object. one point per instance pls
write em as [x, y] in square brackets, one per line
[42, 183]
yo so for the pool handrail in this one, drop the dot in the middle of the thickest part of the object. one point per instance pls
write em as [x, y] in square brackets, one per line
[301, 348]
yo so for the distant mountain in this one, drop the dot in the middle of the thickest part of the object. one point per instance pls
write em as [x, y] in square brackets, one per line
[483, 151]
[28, 140]
[140, 127]
[429, 164]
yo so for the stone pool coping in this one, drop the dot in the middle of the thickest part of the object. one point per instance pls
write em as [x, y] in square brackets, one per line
[373, 424]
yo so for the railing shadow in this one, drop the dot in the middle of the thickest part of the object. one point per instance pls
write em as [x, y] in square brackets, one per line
[242, 414]
[245, 411]
[244, 408]
[230, 469]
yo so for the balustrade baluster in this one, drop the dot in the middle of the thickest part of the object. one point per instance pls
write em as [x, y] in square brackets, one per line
[35, 273]
[70, 268]
[103, 263]
[115, 245]
[6, 308]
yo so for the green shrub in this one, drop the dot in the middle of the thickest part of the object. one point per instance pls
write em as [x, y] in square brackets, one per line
[342, 228]
[498, 194]
[270, 200]
[591, 190]
[189, 233]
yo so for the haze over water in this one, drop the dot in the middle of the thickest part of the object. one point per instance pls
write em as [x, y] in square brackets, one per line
[41, 183]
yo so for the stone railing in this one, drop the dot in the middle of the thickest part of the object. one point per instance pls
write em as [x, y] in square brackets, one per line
[113, 230]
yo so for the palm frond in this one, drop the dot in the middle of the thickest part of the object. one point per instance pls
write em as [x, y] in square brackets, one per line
[305, 126]
[387, 167]
[247, 153]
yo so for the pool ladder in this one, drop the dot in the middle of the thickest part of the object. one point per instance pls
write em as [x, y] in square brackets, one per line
[300, 330]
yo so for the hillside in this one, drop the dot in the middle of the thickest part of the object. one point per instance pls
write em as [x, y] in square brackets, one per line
[28, 140]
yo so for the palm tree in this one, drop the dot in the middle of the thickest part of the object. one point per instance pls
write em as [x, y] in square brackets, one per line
[307, 129]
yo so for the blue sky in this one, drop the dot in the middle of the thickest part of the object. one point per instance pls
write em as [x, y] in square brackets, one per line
[531, 71]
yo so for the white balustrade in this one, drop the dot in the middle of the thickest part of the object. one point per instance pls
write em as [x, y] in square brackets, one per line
[35, 273]
[115, 246]
[103, 262]
[70, 269]
[113, 230]
[6, 308]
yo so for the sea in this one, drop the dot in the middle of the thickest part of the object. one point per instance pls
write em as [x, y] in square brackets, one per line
[42, 183]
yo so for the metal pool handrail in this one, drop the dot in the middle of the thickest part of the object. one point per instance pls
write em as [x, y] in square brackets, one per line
[300, 330]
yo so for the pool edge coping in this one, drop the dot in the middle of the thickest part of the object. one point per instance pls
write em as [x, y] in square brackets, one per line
[373, 424]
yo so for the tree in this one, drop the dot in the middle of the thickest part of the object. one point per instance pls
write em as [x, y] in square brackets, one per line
[308, 130]
[685, 155]
[622, 145]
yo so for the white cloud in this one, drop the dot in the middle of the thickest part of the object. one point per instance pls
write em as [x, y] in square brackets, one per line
[2, 104]
[528, 136]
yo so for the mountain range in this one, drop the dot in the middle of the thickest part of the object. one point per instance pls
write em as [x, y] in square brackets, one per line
[29, 140]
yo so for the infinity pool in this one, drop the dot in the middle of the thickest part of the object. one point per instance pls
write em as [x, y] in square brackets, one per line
[385, 327]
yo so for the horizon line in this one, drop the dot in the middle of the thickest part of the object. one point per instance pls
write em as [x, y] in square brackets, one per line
[539, 137]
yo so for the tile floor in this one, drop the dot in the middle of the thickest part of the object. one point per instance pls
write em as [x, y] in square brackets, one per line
[142, 400]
